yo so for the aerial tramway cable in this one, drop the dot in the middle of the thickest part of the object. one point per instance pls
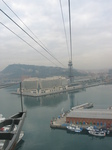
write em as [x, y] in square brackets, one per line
[27, 43]
[70, 28]
[30, 36]
[64, 28]
[26, 26]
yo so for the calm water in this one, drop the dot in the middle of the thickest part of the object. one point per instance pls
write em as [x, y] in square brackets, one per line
[40, 111]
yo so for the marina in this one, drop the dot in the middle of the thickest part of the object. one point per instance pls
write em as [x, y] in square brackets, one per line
[67, 97]
[40, 111]
[77, 125]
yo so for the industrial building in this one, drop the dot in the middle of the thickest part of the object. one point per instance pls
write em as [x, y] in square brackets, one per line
[99, 117]
[43, 86]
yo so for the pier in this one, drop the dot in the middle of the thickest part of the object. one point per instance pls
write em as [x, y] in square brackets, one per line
[67, 118]
[60, 121]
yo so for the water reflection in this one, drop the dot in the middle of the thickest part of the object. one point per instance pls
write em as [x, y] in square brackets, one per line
[20, 144]
[51, 100]
[85, 132]
[71, 97]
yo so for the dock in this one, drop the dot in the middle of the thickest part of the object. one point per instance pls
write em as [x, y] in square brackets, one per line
[60, 121]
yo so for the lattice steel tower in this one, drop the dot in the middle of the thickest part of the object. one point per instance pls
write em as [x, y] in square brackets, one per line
[70, 69]
[70, 65]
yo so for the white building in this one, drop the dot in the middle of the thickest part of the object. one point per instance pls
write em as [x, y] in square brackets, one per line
[43, 86]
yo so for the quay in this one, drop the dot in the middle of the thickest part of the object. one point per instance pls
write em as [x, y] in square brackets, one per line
[37, 87]
[83, 117]
[74, 89]
[60, 121]
[31, 94]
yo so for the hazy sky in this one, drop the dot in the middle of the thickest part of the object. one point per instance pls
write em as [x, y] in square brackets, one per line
[91, 33]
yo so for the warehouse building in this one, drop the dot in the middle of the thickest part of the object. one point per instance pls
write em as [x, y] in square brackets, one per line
[99, 117]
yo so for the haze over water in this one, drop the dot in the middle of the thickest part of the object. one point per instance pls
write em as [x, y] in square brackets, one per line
[40, 111]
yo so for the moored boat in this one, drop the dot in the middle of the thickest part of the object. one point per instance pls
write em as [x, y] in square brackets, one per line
[2, 118]
[71, 128]
[89, 105]
[12, 136]
[20, 136]
[3, 141]
[91, 128]
[78, 129]
[97, 133]
[74, 128]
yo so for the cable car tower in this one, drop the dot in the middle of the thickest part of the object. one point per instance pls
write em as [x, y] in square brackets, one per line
[70, 69]
[70, 65]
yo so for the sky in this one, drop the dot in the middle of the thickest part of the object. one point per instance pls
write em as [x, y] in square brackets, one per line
[91, 28]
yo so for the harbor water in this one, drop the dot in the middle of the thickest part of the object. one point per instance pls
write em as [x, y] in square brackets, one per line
[40, 111]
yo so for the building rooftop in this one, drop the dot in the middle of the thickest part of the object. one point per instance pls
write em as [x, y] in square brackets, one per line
[47, 78]
[31, 79]
[91, 113]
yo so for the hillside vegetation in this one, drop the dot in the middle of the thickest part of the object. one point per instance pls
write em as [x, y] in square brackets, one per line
[17, 71]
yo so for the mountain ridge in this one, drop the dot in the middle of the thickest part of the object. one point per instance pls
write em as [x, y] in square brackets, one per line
[17, 71]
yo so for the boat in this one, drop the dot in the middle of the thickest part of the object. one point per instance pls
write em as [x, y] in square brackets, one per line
[12, 136]
[19, 139]
[89, 105]
[1, 144]
[1, 118]
[107, 131]
[78, 129]
[20, 136]
[14, 126]
[97, 133]
[74, 128]
[91, 128]
[71, 128]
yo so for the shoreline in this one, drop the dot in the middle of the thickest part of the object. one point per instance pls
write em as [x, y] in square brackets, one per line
[74, 89]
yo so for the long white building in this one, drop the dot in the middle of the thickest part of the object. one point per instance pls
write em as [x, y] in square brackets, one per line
[43, 86]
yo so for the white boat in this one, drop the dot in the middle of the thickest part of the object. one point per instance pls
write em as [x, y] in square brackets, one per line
[20, 136]
[78, 129]
[91, 128]
[71, 128]
[6, 129]
[74, 128]
[1, 118]
[97, 133]
[1, 144]
[107, 131]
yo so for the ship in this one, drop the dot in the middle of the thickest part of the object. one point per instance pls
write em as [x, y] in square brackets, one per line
[11, 137]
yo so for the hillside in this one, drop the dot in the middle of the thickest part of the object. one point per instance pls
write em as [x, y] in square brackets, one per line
[17, 71]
